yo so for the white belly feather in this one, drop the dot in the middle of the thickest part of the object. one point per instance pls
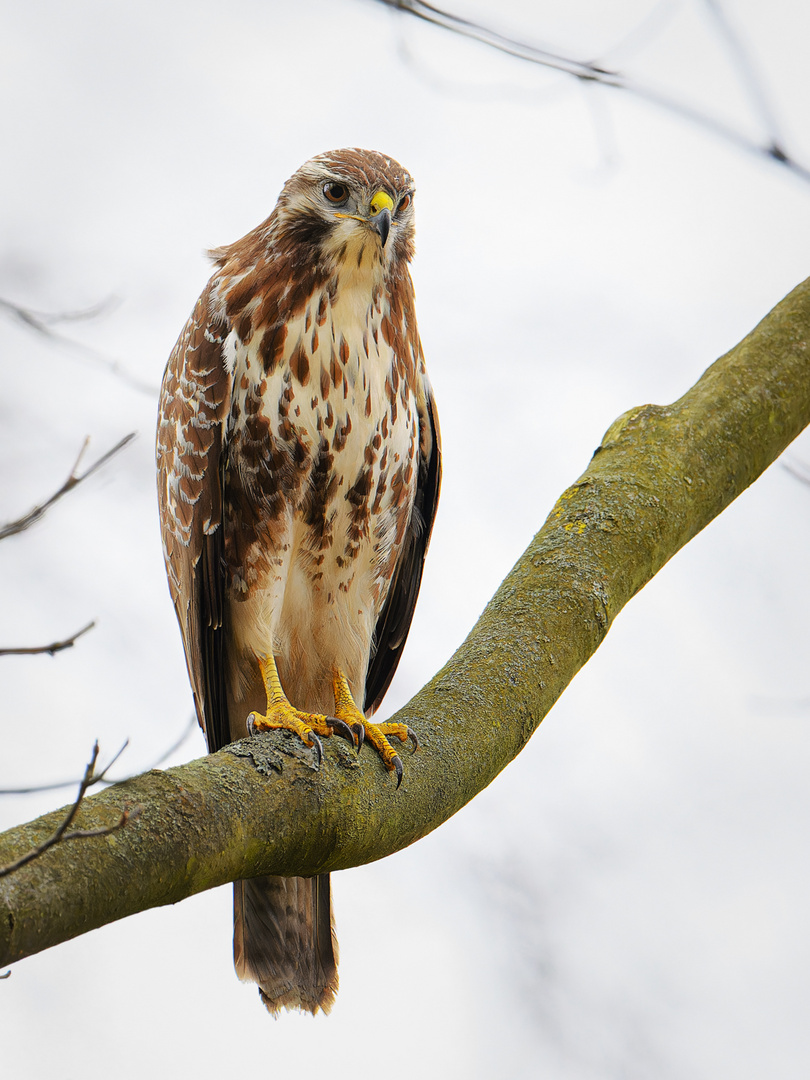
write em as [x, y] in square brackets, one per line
[314, 617]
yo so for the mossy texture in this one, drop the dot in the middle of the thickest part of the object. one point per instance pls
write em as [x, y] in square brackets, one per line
[262, 806]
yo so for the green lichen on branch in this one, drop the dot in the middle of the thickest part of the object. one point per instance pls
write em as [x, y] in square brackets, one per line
[659, 476]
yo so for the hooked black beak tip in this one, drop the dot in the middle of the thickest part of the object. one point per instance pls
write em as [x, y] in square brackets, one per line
[382, 223]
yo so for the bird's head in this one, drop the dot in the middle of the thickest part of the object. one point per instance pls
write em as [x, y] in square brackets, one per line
[353, 208]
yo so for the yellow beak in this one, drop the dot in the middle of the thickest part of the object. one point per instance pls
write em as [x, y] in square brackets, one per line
[381, 206]
[381, 201]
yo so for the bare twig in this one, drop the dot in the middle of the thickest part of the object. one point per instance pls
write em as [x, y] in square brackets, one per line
[42, 323]
[73, 480]
[799, 470]
[97, 778]
[592, 73]
[187, 730]
[54, 647]
[103, 778]
[746, 72]
[61, 834]
[644, 33]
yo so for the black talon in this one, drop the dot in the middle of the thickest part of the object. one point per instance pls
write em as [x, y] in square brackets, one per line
[318, 747]
[414, 740]
[360, 732]
[340, 727]
[397, 769]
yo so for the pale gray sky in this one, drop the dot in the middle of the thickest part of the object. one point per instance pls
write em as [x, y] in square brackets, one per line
[629, 899]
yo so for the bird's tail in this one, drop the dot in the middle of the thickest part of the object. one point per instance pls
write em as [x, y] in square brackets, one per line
[284, 939]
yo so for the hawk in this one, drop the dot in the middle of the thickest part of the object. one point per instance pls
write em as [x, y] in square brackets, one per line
[299, 466]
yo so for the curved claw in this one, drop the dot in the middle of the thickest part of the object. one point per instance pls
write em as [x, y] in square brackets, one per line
[360, 732]
[318, 747]
[340, 727]
[397, 764]
[251, 724]
[414, 740]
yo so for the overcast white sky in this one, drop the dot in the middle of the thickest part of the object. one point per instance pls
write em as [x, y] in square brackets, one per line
[629, 899]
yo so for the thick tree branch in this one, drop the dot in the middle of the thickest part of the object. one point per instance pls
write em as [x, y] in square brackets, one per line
[661, 474]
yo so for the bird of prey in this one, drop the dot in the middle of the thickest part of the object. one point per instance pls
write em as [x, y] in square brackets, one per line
[299, 467]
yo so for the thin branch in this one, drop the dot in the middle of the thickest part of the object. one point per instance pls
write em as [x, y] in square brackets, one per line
[102, 775]
[746, 71]
[187, 730]
[103, 778]
[61, 833]
[42, 323]
[799, 470]
[73, 480]
[52, 649]
[590, 72]
[582, 69]
[99, 778]
[646, 31]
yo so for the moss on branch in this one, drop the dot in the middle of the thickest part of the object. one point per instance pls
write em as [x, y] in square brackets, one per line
[257, 807]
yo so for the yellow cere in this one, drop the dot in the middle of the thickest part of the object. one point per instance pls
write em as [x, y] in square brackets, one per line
[381, 201]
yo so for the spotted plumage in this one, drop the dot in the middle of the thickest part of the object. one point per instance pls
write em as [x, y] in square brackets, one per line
[298, 473]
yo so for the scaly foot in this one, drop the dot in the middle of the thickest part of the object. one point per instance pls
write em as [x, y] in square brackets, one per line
[347, 711]
[281, 714]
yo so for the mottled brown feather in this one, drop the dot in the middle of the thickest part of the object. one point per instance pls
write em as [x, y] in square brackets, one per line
[193, 407]
[396, 616]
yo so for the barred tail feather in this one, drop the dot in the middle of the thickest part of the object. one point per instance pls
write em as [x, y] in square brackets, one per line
[284, 940]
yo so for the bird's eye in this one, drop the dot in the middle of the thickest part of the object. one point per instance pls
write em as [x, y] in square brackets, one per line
[336, 193]
[404, 203]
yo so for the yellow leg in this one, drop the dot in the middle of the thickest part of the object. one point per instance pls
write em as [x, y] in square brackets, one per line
[281, 714]
[347, 710]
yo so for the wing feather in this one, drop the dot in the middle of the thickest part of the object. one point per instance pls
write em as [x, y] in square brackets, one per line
[395, 618]
[194, 403]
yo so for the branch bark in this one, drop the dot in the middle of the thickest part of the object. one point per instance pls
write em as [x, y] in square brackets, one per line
[261, 807]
